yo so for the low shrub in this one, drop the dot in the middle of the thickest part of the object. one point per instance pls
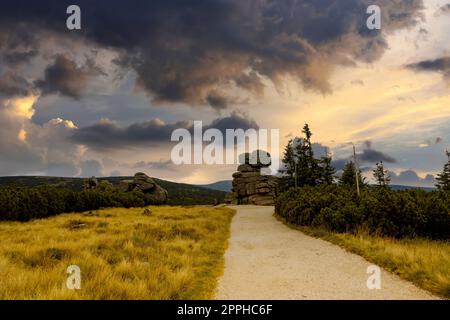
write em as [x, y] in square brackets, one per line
[380, 211]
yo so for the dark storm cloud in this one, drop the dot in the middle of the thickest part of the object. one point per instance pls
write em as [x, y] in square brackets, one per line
[217, 101]
[18, 44]
[373, 156]
[109, 135]
[14, 85]
[18, 57]
[184, 50]
[370, 155]
[234, 121]
[436, 65]
[65, 77]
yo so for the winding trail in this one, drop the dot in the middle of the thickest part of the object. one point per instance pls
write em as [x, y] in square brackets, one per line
[268, 260]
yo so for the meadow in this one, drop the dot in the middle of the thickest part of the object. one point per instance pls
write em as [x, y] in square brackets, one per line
[171, 253]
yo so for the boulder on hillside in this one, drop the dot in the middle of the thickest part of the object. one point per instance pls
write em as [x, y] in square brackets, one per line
[90, 183]
[143, 183]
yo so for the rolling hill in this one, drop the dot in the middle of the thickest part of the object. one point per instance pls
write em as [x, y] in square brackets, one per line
[224, 185]
[179, 193]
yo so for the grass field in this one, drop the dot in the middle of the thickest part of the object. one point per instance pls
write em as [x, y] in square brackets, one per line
[421, 261]
[173, 253]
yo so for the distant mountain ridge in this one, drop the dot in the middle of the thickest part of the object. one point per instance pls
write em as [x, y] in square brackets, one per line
[179, 193]
[224, 185]
[396, 187]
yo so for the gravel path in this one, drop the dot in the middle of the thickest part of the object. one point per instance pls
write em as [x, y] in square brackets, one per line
[268, 260]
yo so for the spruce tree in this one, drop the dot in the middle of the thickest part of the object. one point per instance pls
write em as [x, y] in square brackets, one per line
[327, 171]
[308, 171]
[348, 177]
[303, 166]
[288, 158]
[443, 178]
[381, 175]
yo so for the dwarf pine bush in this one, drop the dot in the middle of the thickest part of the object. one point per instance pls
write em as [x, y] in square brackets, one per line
[381, 211]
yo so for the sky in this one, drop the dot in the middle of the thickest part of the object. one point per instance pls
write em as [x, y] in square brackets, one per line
[104, 100]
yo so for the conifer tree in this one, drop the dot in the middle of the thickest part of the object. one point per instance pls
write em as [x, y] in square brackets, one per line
[288, 158]
[443, 178]
[308, 171]
[381, 175]
[303, 166]
[327, 171]
[348, 177]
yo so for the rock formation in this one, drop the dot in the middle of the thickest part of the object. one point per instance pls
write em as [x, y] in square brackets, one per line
[90, 183]
[250, 186]
[143, 183]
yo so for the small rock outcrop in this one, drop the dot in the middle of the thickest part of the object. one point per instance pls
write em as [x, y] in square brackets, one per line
[250, 186]
[90, 183]
[143, 183]
[140, 182]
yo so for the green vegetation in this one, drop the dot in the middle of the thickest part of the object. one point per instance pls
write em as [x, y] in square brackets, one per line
[406, 231]
[443, 178]
[168, 253]
[24, 204]
[421, 261]
[301, 164]
[26, 198]
[348, 177]
[381, 175]
[379, 211]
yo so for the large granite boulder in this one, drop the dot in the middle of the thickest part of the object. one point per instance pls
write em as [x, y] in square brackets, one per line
[140, 183]
[143, 183]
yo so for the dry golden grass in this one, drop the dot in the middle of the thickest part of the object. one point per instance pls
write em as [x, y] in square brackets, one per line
[421, 261]
[175, 253]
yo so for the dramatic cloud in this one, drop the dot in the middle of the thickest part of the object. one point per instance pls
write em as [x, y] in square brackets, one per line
[109, 135]
[372, 156]
[183, 51]
[66, 78]
[35, 149]
[14, 85]
[441, 65]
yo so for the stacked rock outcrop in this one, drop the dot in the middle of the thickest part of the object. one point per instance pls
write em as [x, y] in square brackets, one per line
[250, 186]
